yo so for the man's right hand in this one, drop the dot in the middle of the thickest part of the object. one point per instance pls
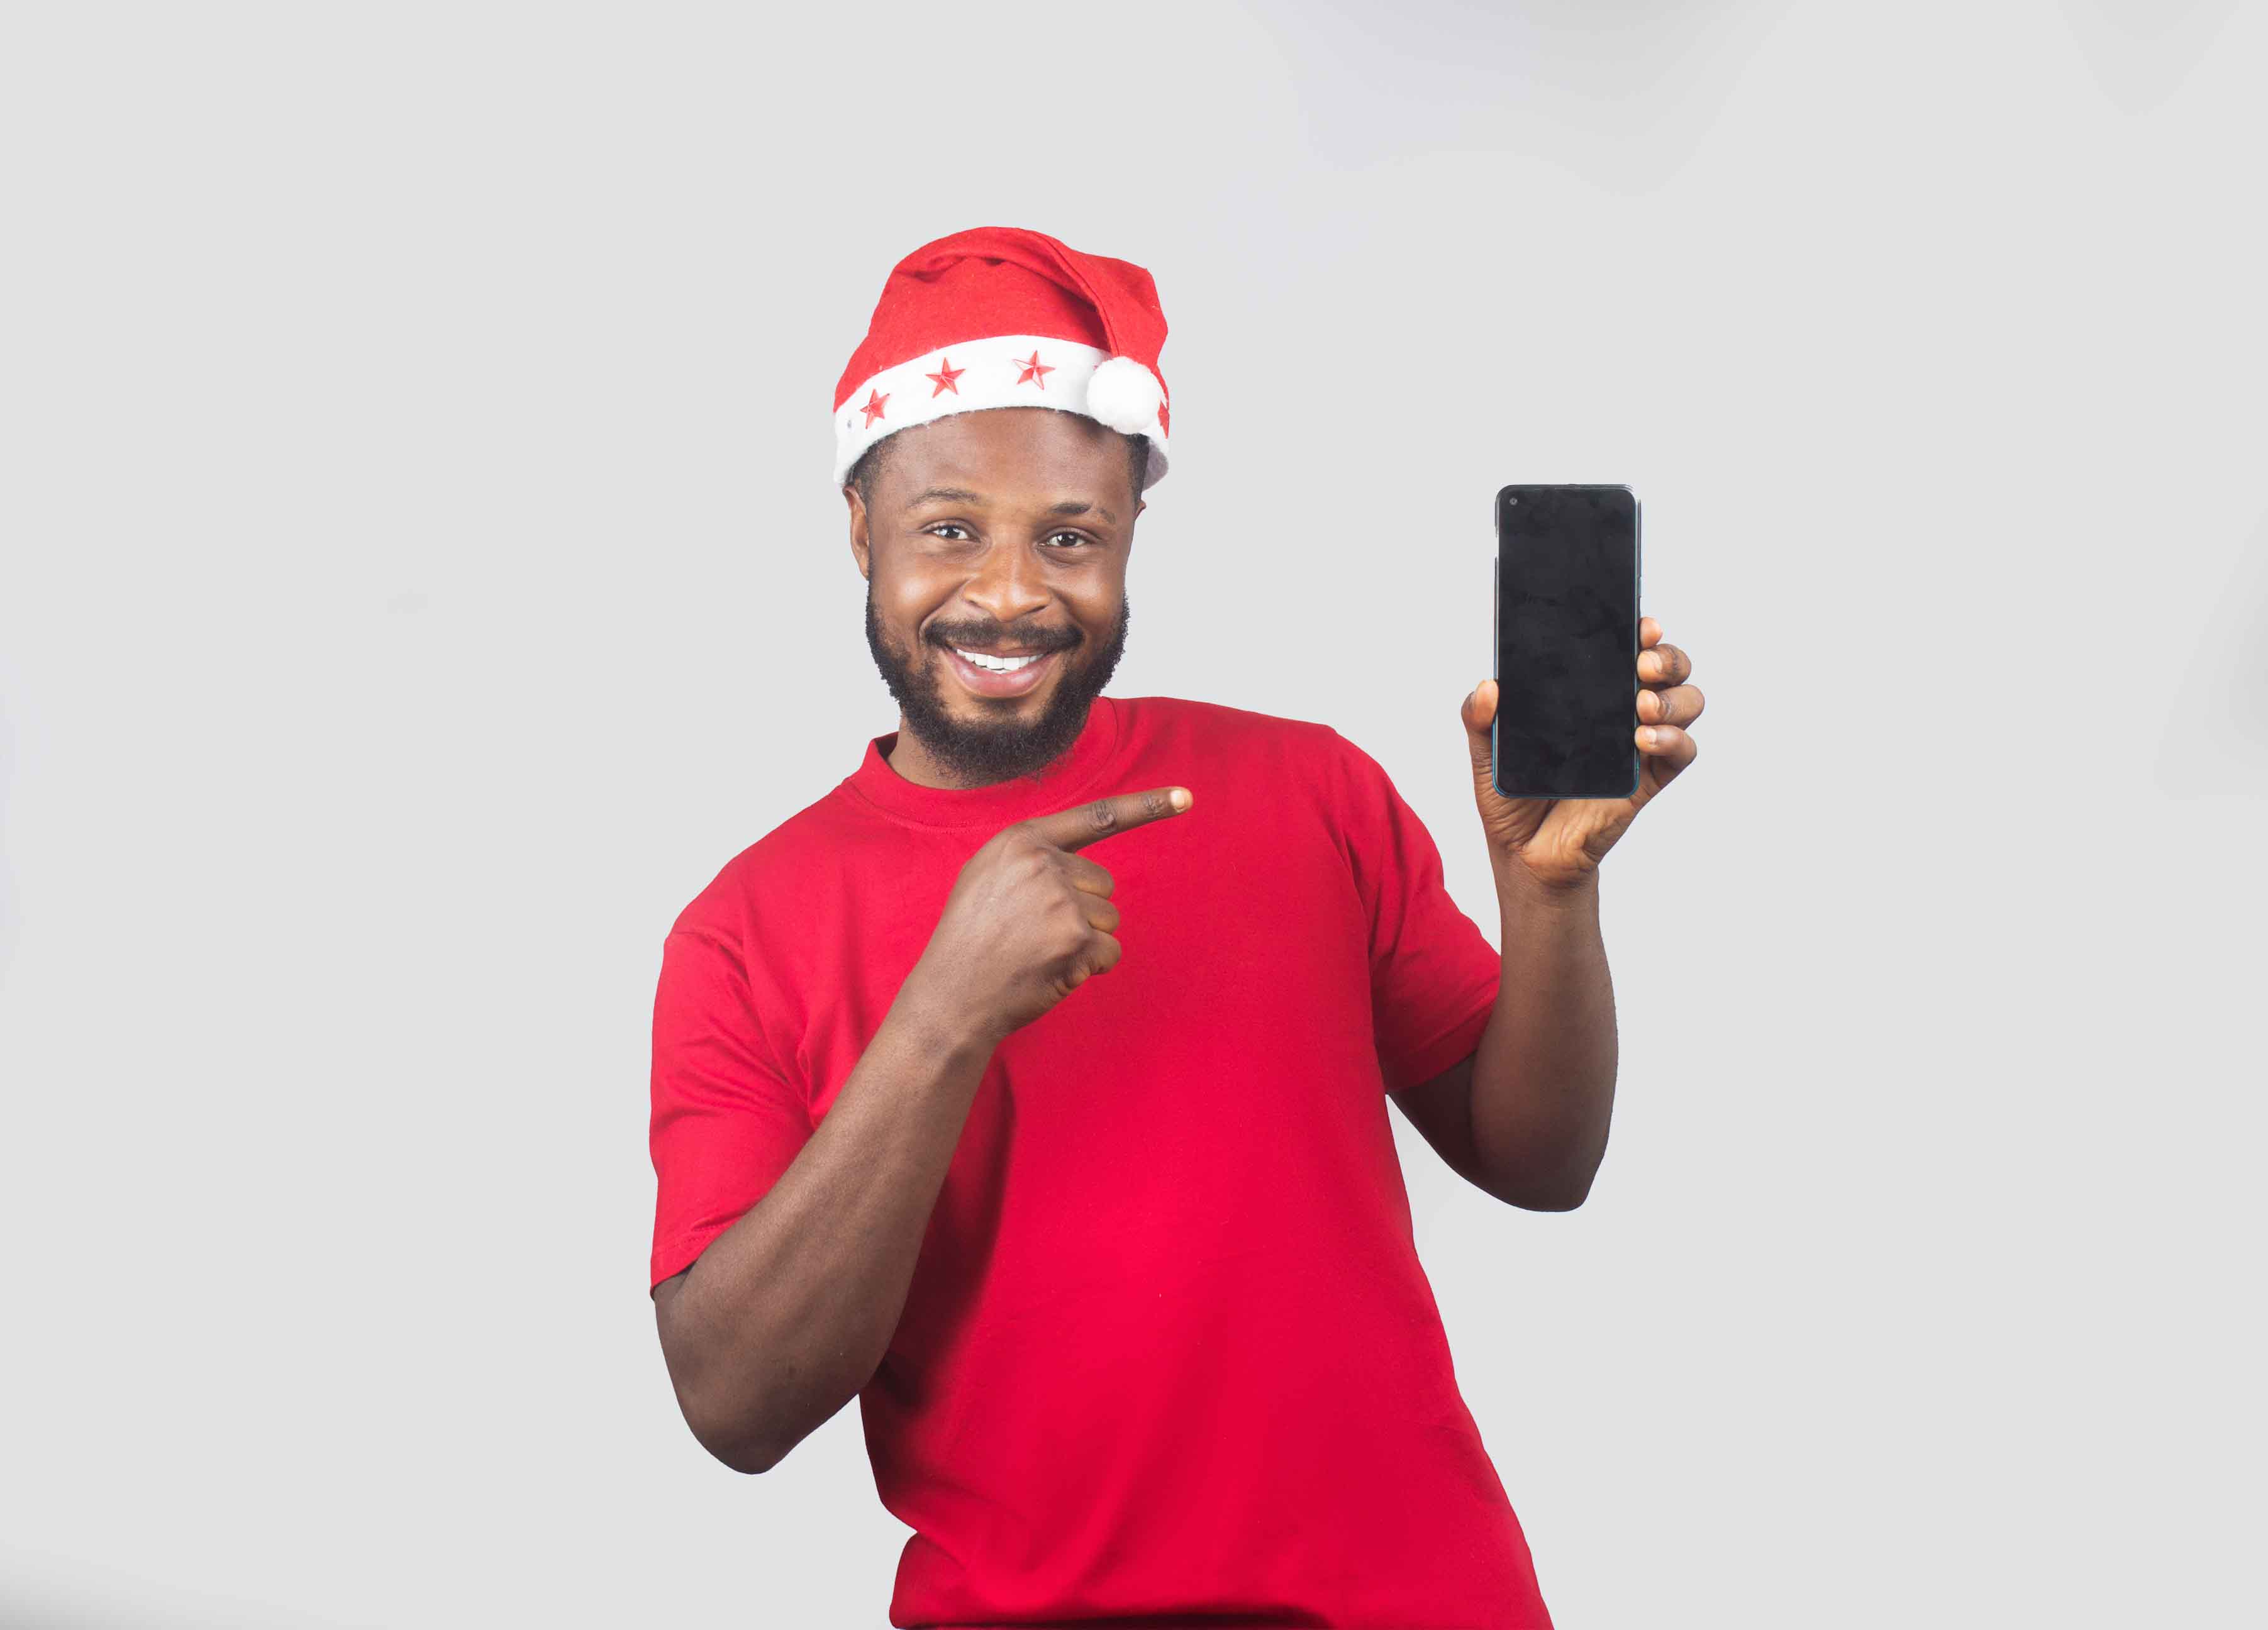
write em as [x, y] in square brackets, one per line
[1030, 918]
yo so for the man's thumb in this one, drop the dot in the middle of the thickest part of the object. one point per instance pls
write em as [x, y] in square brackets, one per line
[1479, 713]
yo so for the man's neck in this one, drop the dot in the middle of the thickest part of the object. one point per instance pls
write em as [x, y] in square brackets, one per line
[913, 762]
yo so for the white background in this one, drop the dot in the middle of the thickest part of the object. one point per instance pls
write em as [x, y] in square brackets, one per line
[421, 575]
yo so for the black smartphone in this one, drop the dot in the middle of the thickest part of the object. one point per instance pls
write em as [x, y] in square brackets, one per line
[1566, 642]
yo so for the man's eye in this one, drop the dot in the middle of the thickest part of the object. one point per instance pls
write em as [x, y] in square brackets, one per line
[1073, 536]
[943, 527]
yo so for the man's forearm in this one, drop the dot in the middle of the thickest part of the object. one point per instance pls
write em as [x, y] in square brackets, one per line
[1544, 1074]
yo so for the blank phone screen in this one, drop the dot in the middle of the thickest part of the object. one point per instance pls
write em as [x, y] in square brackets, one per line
[1566, 642]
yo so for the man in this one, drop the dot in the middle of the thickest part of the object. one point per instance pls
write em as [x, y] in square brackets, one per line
[1120, 1269]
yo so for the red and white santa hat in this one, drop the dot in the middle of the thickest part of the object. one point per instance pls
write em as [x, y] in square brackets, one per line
[999, 317]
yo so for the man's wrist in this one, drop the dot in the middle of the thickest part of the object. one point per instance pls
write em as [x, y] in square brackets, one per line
[1521, 887]
[941, 1026]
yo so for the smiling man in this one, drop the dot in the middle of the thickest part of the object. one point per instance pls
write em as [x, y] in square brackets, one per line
[1120, 1268]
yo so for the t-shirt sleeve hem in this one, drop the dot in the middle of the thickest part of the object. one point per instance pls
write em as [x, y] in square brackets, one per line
[1453, 1044]
[672, 1256]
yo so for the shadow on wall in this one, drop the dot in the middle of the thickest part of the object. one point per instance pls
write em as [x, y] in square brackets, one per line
[2215, 740]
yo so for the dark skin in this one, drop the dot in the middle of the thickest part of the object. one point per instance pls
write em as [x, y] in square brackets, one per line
[1010, 529]
[1005, 531]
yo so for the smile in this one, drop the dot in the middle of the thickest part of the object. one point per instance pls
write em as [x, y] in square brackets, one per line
[999, 676]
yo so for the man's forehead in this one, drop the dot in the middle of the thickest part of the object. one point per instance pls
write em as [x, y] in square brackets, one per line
[999, 463]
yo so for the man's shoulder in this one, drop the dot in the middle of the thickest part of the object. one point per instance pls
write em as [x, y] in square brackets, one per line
[1288, 762]
[789, 858]
[1213, 723]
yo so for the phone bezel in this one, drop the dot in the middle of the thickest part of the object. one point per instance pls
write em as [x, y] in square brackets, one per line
[1505, 497]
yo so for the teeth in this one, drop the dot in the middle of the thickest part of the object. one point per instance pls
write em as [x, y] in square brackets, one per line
[998, 665]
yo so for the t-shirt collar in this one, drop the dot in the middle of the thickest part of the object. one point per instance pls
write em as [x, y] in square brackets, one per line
[1059, 786]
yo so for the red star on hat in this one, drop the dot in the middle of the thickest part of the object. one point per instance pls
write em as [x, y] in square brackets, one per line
[1033, 371]
[873, 406]
[945, 376]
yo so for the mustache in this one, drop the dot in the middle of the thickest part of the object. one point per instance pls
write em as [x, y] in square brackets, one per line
[971, 639]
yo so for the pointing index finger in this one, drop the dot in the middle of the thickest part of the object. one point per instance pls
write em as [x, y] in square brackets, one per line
[1083, 824]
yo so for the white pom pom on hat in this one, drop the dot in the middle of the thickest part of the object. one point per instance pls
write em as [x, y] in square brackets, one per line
[1125, 395]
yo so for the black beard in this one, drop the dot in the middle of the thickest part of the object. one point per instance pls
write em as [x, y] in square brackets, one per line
[1001, 749]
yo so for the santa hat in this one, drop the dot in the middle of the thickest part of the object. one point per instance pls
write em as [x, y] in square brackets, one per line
[998, 317]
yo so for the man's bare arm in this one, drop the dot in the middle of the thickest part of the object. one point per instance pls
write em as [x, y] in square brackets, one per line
[787, 1314]
[1543, 1077]
[1524, 1116]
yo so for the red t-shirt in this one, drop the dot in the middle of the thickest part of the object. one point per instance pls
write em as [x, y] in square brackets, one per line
[1168, 1349]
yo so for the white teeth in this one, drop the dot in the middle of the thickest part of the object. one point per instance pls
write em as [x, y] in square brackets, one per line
[998, 665]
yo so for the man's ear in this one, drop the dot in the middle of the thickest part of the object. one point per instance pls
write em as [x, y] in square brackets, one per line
[861, 547]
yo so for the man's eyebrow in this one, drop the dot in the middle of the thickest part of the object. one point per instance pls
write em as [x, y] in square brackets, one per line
[1072, 506]
[952, 495]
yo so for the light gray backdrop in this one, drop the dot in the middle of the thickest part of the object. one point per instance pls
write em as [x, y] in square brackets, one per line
[422, 574]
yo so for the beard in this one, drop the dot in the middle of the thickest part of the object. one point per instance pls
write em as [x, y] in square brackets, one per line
[995, 743]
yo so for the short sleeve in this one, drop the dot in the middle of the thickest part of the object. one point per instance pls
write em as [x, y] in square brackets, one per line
[725, 1121]
[1434, 975]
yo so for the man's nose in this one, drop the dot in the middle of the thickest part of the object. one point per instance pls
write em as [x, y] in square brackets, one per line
[1009, 585]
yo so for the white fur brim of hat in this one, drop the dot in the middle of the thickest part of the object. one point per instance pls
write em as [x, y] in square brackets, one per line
[1007, 371]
